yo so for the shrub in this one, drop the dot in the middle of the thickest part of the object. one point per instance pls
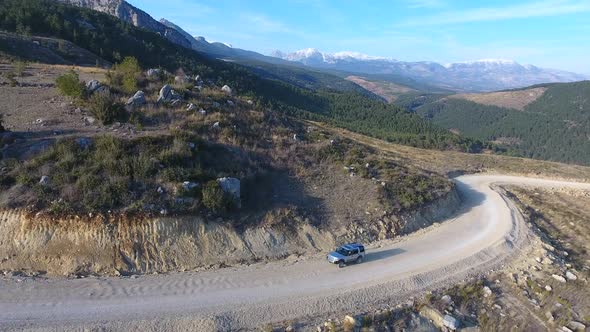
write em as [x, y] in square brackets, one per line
[11, 77]
[2, 124]
[69, 85]
[125, 75]
[214, 197]
[103, 106]
[19, 68]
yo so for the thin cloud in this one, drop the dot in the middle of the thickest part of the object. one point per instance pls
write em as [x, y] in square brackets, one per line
[265, 24]
[528, 10]
[426, 3]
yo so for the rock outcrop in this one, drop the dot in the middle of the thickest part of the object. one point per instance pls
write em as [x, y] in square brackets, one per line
[231, 186]
[128, 13]
[137, 100]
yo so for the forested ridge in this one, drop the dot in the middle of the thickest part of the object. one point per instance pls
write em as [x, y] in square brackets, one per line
[555, 127]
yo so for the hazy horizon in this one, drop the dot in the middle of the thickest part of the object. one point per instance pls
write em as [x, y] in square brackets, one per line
[550, 34]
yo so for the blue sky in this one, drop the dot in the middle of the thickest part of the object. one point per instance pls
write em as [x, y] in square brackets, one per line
[547, 33]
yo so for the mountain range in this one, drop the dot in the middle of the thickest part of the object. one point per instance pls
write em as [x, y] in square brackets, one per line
[474, 76]
[480, 75]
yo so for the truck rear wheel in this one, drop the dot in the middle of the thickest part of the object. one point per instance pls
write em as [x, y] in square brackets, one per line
[359, 259]
[341, 264]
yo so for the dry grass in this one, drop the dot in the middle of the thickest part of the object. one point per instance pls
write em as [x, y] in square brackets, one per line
[449, 162]
[387, 90]
[510, 99]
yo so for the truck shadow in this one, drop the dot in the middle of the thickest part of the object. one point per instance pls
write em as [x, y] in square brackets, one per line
[375, 256]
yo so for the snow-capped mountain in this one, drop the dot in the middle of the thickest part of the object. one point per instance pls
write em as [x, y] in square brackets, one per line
[479, 75]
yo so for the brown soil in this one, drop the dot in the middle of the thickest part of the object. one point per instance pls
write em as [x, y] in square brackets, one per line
[517, 100]
[387, 90]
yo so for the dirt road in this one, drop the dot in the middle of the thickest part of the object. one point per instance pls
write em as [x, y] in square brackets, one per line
[484, 234]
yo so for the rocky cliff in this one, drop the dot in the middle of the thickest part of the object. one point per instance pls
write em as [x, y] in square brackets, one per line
[135, 16]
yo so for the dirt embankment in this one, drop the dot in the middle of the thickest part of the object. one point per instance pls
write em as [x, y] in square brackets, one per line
[36, 243]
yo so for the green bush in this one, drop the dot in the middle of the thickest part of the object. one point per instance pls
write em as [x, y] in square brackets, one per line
[103, 106]
[69, 85]
[19, 68]
[125, 75]
[214, 197]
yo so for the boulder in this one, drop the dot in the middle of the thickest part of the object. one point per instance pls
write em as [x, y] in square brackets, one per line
[202, 112]
[226, 89]
[92, 86]
[198, 80]
[487, 291]
[558, 278]
[153, 73]
[44, 180]
[89, 119]
[446, 299]
[231, 186]
[138, 99]
[571, 276]
[432, 314]
[168, 95]
[451, 322]
[216, 125]
[576, 326]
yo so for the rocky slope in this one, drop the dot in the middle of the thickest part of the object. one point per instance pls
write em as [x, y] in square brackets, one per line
[81, 245]
[133, 15]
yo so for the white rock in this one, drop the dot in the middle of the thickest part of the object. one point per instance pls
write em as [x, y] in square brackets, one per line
[548, 288]
[451, 322]
[571, 276]
[137, 99]
[216, 124]
[202, 112]
[226, 89]
[44, 180]
[576, 326]
[558, 278]
[446, 299]
[89, 119]
[487, 291]
[191, 107]
[232, 187]
[163, 212]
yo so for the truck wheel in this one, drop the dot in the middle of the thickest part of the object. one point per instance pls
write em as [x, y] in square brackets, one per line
[341, 264]
[359, 260]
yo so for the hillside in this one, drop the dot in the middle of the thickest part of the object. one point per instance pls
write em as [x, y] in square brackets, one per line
[112, 39]
[543, 122]
[388, 90]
